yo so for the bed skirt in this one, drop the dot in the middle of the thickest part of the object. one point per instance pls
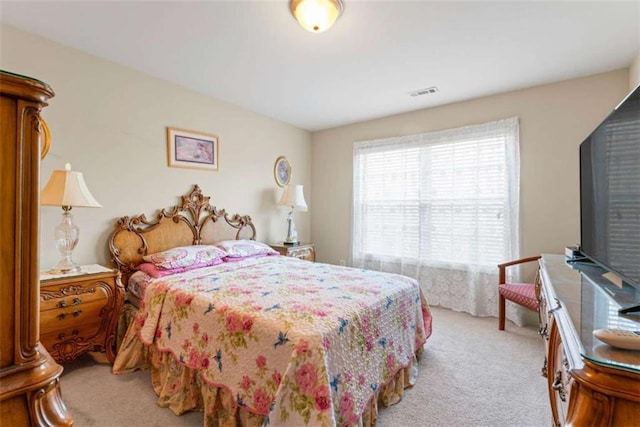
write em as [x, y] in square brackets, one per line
[181, 389]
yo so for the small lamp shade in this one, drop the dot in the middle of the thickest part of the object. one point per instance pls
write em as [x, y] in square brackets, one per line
[293, 197]
[67, 188]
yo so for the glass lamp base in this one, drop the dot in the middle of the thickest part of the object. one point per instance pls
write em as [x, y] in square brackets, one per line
[66, 234]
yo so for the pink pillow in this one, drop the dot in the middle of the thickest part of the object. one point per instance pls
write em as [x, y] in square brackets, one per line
[185, 256]
[244, 248]
[156, 272]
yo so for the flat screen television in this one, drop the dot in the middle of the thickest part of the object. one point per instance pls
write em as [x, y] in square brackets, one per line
[610, 192]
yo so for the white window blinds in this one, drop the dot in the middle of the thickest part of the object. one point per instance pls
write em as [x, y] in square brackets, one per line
[622, 176]
[443, 197]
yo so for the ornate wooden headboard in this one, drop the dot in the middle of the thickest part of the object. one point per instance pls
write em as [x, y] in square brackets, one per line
[194, 222]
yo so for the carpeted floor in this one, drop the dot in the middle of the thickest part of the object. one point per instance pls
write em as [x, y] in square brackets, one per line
[471, 374]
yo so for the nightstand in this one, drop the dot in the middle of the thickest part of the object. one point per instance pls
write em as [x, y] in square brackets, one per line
[305, 251]
[79, 312]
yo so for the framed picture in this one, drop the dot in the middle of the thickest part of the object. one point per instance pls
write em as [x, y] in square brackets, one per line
[282, 171]
[193, 150]
[46, 139]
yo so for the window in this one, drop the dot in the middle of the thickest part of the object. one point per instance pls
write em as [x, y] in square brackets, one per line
[621, 158]
[447, 197]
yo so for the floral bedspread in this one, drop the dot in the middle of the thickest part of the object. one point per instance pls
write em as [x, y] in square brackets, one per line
[295, 341]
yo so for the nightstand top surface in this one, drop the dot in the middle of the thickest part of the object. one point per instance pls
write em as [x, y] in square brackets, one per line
[84, 270]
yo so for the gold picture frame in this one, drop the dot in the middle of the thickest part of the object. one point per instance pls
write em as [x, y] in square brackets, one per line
[46, 139]
[192, 150]
[282, 171]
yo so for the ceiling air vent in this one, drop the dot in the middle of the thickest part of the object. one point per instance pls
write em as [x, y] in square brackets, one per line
[427, 91]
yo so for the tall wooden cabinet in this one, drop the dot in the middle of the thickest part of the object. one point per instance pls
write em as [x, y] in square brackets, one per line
[29, 385]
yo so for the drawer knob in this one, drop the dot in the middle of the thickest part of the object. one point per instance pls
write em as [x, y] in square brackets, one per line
[61, 304]
[62, 335]
[62, 316]
[76, 301]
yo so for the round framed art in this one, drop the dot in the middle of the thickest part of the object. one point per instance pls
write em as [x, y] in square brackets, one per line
[46, 139]
[282, 171]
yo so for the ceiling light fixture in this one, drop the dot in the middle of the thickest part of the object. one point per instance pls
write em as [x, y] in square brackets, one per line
[316, 15]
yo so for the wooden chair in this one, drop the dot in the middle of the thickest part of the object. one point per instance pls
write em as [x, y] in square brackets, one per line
[520, 293]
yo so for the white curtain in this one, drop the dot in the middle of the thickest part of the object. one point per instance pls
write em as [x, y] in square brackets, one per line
[442, 207]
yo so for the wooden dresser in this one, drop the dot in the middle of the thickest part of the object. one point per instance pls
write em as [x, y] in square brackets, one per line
[29, 377]
[305, 251]
[589, 382]
[79, 313]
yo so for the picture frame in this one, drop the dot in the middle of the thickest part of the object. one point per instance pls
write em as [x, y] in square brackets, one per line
[192, 150]
[46, 139]
[282, 171]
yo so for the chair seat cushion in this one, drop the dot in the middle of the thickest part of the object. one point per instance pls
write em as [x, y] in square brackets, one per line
[521, 293]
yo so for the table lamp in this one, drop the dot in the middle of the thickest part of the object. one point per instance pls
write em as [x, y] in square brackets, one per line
[293, 198]
[66, 188]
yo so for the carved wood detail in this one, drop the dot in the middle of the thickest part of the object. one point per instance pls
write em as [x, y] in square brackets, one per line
[64, 345]
[68, 291]
[48, 407]
[193, 222]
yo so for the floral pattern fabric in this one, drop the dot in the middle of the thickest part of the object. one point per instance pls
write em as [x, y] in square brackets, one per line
[186, 256]
[245, 248]
[294, 342]
[153, 271]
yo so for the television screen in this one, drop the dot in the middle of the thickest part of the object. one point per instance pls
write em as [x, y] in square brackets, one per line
[610, 192]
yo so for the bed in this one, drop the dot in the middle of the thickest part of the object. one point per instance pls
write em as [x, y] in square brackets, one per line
[263, 339]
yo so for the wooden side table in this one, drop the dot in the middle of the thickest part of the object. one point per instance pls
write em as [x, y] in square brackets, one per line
[305, 251]
[79, 313]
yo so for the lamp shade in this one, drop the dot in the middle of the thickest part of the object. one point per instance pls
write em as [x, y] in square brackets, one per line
[293, 197]
[316, 15]
[67, 188]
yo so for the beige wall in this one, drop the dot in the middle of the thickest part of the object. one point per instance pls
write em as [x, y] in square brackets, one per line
[554, 119]
[634, 74]
[110, 123]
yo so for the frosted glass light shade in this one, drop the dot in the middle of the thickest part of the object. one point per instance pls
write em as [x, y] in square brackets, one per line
[316, 16]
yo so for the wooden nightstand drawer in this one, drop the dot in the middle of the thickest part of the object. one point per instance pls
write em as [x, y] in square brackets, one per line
[305, 251]
[68, 296]
[59, 335]
[79, 313]
[65, 318]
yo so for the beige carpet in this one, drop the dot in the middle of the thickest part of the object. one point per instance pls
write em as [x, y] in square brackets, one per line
[471, 374]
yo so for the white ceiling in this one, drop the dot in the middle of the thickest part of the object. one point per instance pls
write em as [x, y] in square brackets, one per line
[255, 55]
